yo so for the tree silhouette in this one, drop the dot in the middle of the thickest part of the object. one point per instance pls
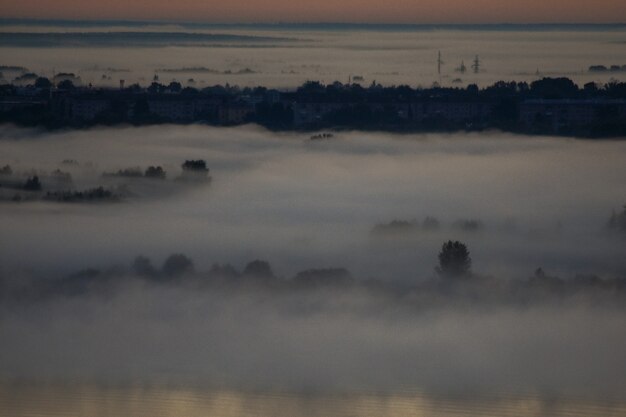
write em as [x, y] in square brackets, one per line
[454, 260]
[259, 269]
[155, 172]
[176, 265]
[142, 266]
[6, 170]
[66, 85]
[42, 82]
[195, 165]
[33, 184]
[554, 88]
[195, 170]
[430, 223]
[175, 87]
[617, 221]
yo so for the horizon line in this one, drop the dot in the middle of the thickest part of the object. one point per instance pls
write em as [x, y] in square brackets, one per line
[304, 23]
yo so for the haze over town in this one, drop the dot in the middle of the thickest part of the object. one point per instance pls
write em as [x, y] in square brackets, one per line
[415, 211]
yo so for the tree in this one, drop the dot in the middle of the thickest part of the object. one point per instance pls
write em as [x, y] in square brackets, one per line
[142, 266]
[42, 82]
[591, 88]
[430, 223]
[156, 88]
[33, 184]
[175, 87]
[155, 172]
[454, 260]
[259, 269]
[195, 165]
[66, 85]
[617, 221]
[195, 170]
[6, 170]
[473, 89]
[553, 88]
[177, 265]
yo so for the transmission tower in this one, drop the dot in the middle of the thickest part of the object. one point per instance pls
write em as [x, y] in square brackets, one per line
[439, 63]
[476, 65]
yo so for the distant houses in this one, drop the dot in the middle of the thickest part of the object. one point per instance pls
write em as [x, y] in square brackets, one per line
[312, 113]
[418, 112]
[19, 102]
[90, 106]
[547, 106]
[175, 108]
[565, 115]
[235, 113]
[83, 107]
[456, 111]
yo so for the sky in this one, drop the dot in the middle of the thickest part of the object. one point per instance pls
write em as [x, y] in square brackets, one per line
[365, 11]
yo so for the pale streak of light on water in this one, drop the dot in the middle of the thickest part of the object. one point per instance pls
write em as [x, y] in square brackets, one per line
[73, 399]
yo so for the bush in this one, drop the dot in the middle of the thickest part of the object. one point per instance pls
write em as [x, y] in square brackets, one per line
[177, 265]
[195, 170]
[617, 221]
[155, 172]
[259, 269]
[454, 260]
[33, 184]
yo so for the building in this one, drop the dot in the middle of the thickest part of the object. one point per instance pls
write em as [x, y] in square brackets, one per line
[85, 107]
[19, 102]
[235, 113]
[174, 108]
[306, 114]
[451, 111]
[568, 114]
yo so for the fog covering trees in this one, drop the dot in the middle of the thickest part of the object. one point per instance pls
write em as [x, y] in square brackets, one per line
[304, 204]
[289, 289]
[177, 265]
[617, 221]
[215, 326]
[111, 186]
[453, 269]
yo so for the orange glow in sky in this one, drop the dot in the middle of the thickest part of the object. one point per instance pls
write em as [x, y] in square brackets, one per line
[384, 11]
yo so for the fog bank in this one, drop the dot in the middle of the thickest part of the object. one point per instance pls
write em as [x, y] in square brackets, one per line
[539, 202]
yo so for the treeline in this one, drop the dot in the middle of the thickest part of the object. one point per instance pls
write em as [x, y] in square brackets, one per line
[616, 223]
[429, 224]
[454, 285]
[349, 106]
[545, 88]
[58, 185]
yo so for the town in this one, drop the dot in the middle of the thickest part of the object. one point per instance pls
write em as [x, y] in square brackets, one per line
[555, 106]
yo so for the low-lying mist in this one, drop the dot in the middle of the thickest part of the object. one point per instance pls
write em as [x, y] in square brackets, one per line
[455, 339]
[285, 57]
[364, 213]
[540, 202]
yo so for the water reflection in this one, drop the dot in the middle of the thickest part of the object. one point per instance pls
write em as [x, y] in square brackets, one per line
[89, 400]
